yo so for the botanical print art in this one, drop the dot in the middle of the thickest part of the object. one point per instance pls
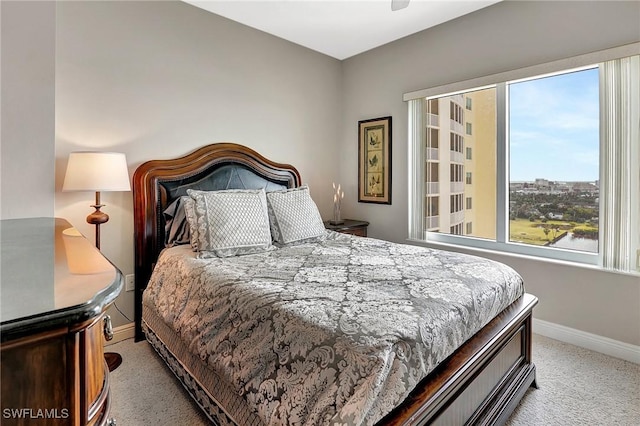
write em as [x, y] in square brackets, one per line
[374, 163]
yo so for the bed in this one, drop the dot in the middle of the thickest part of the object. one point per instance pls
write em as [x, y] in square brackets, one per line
[305, 332]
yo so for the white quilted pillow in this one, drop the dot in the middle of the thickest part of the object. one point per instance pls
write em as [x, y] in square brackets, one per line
[231, 222]
[293, 216]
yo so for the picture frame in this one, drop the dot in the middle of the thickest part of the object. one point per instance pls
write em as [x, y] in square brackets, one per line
[374, 160]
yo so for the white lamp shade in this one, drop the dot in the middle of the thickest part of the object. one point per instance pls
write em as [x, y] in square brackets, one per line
[96, 171]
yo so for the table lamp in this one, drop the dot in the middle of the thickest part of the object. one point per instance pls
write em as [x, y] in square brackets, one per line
[97, 171]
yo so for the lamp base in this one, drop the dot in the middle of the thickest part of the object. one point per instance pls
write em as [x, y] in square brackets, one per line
[97, 217]
[336, 222]
[113, 359]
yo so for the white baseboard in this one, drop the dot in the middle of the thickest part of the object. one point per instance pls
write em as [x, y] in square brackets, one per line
[586, 340]
[123, 332]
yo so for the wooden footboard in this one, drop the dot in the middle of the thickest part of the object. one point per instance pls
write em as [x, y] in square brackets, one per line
[480, 384]
[483, 381]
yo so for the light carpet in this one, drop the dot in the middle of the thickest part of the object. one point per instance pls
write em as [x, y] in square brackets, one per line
[576, 387]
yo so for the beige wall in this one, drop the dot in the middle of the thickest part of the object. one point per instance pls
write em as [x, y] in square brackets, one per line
[28, 109]
[505, 36]
[160, 79]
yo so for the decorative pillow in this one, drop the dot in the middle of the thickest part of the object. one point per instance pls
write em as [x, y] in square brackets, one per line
[231, 222]
[293, 216]
[176, 229]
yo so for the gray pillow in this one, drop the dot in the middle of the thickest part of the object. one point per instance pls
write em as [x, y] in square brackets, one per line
[231, 222]
[176, 229]
[293, 216]
[190, 214]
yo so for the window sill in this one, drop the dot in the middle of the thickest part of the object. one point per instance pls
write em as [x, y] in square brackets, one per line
[479, 251]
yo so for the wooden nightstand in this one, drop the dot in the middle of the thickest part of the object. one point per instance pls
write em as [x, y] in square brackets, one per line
[350, 226]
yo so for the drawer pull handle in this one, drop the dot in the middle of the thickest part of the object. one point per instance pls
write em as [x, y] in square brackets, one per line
[108, 328]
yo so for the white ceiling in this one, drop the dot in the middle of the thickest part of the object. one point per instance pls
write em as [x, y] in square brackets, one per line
[340, 28]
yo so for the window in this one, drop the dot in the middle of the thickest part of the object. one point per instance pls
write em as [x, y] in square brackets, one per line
[432, 206]
[433, 174]
[456, 142]
[458, 187]
[433, 138]
[455, 171]
[456, 112]
[456, 203]
[539, 168]
[560, 205]
[433, 107]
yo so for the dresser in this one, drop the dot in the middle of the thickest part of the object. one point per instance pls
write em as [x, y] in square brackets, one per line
[55, 287]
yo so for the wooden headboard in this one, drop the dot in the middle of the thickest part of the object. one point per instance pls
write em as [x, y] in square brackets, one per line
[157, 183]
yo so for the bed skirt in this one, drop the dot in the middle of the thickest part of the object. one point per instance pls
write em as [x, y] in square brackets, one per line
[200, 381]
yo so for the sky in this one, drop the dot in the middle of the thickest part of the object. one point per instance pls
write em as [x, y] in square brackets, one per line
[554, 128]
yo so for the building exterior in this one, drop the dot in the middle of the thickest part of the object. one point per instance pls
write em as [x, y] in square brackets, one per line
[461, 164]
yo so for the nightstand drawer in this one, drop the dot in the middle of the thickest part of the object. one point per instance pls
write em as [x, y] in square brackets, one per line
[350, 226]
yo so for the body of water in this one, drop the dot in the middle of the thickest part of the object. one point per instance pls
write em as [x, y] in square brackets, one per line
[574, 243]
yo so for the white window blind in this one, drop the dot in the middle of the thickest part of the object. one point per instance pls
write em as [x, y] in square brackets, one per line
[416, 169]
[620, 159]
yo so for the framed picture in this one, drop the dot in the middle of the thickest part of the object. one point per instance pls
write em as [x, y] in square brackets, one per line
[374, 160]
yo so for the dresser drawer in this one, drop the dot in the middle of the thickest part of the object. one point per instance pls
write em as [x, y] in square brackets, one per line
[58, 377]
[96, 375]
[39, 379]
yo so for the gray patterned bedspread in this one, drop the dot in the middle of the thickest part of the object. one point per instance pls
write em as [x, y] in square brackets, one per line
[337, 331]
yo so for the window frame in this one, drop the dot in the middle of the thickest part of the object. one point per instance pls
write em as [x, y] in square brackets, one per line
[502, 243]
